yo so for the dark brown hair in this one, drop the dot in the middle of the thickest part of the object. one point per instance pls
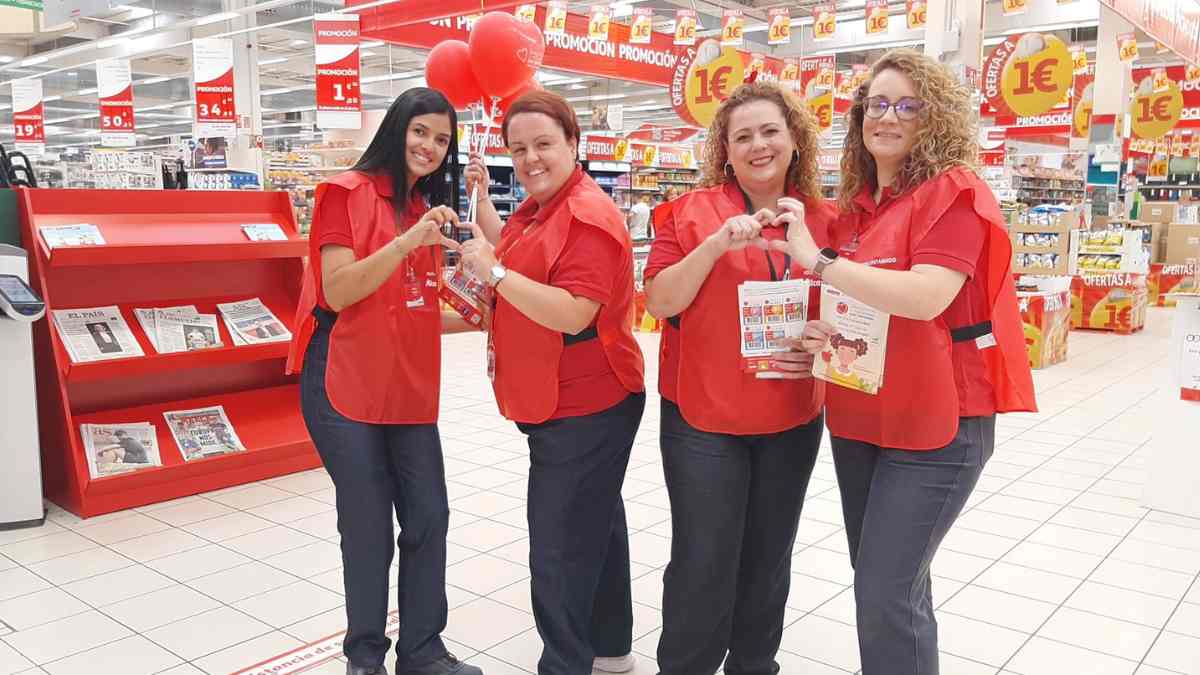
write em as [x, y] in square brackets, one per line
[859, 345]
[549, 104]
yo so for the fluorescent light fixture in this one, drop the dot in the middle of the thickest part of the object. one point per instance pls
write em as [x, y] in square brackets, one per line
[394, 76]
[298, 43]
[48, 99]
[602, 97]
[643, 108]
[271, 62]
[152, 80]
[7, 59]
[33, 61]
[135, 12]
[366, 52]
[287, 90]
[85, 92]
[369, 44]
[111, 42]
[214, 18]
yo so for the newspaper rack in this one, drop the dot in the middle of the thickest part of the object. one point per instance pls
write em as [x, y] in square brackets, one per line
[164, 249]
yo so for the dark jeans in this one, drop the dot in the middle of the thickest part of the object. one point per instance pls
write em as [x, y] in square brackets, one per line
[578, 541]
[899, 505]
[377, 469]
[735, 506]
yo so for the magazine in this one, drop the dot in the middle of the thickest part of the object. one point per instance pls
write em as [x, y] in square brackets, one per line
[264, 232]
[149, 326]
[203, 432]
[83, 234]
[119, 448]
[253, 322]
[854, 357]
[183, 331]
[95, 334]
[769, 312]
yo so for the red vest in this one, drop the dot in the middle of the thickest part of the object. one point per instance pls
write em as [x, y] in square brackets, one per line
[715, 395]
[527, 353]
[384, 357]
[917, 407]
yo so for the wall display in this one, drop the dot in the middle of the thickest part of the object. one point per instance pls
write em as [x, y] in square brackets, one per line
[779, 30]
[212, 72]
[339, 97]
[114, 87]
[824, 21]
[732, 25]
[1027, 74]
[29, 116]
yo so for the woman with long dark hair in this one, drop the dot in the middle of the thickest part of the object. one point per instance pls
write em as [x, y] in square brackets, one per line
[369, 341]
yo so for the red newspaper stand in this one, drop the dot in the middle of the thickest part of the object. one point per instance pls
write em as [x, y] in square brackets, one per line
[165, 248]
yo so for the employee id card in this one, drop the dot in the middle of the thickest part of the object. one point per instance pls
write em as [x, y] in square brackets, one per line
[768, 313]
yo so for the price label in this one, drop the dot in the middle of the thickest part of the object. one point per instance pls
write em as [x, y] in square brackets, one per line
[31, 131]
[1012, 7]
[824, 22]
[649, 155]
[598, 24]
[822, 108]
[825, 78]
[212, 62]
[621, 151]
[642, 27]
[527, 13]
[1192, 73]
[685, 27]
[1079, 60]
[877, 16]
[1127, 49]
[115, 94]
[732, 25]
[338, 70]
[707, 85]
[1155, 113]
[556, 19]
[1161, 81]
[916, 14]
[1028, 74]
[790, 73]
[780, 29]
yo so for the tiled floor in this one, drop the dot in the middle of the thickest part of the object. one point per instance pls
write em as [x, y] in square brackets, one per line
[1054, 569]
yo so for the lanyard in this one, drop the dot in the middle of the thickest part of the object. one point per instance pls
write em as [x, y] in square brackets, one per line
[787, 257]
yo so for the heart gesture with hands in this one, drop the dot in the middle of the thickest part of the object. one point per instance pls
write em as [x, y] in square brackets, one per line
[428, 231]
[737, 233]
[800, 243]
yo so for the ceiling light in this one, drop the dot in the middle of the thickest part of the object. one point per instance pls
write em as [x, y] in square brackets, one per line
[298, 43]
[85, 92]
[111, 42]
[271, 62]
[370, 44]
[135, 12]
[7, 59]
[152, 80]
[367, 52]
[223, 16]
[51, 98]
[33, 61]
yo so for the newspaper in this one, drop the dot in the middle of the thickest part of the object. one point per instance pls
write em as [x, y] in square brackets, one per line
[184, 331]
[253, 322]
[95, 334]
[113, 449]
[854, 357]
[82, 234]
[264, 232]
[769, 311]
[146, 320]
[203, 432]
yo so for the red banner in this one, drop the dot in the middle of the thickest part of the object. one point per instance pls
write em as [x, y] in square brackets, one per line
[1176, 24]
[212, 66]
[676, 157]
[115, 90]
[469, 135]
[1190, 89]
[339, 96]
[606, 149]
[29, 116]
[662, 134]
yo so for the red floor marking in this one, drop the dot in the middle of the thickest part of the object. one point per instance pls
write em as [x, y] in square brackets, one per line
[311, 655]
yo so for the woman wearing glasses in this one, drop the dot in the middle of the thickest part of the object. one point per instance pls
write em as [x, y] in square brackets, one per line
[922, 239]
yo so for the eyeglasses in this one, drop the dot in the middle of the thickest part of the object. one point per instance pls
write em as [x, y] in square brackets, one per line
[906, 108]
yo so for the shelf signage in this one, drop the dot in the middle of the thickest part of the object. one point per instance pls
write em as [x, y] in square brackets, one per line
[212, 72]
[1028, 74]
[338, 71]
[114, 86]
[29, 116]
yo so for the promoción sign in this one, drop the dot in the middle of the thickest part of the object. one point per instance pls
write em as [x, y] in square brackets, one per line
[114, 87]
[212, 71]
[29, 116]
[339, 85]
[1028, 74]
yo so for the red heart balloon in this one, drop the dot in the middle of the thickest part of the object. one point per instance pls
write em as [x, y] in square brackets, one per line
[505, 103]
[448, 70]
[505, 52]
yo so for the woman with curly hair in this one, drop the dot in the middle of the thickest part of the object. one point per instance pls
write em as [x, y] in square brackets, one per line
[738, 447]
[920, 238]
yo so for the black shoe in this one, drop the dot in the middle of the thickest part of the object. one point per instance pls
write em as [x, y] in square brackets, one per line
[352, 669]
[447, 665]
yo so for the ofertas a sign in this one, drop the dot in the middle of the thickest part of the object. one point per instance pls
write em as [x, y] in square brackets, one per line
[29, 116]
[212, 72]
[1027, 75]
[704, 77]
[114, 86]
[1154, 113]
[338, 79]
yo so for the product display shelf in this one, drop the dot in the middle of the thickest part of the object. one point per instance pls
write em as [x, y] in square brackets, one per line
[204, 258]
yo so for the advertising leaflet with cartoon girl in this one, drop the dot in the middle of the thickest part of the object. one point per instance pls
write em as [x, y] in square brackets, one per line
[855, 354]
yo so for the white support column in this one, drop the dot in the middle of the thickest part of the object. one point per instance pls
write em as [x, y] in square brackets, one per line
[244, 153]
[954, 33]
[1113, 98]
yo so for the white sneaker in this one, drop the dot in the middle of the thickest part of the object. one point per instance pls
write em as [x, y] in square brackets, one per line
[614, 664]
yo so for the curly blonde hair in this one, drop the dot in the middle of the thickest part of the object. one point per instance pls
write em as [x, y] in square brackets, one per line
[947, 136]
[802, 175]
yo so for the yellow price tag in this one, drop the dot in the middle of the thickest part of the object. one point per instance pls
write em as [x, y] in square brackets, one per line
[1014, 7]
[598, 25]
[1193, 73]
[824, 25]
[917, 14]
[731, 32]
[1080, 61]
[1034, 84]
[708, 85]
[527, 13]
[685, 30]
[556, 20]
[1156, 113]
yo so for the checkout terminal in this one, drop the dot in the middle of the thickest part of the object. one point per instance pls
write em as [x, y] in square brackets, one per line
[21, 479]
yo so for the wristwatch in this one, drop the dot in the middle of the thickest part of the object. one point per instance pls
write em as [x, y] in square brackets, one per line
[825, 258]
[496, 275]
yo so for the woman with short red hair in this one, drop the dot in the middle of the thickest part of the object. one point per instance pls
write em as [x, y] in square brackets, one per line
[566, 368]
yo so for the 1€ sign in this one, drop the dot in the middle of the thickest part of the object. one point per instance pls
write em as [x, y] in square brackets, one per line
[1156, 113]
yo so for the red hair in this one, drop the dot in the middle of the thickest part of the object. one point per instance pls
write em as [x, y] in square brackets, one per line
[549, 104]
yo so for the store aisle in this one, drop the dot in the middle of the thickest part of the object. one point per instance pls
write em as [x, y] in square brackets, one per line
[1054, 569]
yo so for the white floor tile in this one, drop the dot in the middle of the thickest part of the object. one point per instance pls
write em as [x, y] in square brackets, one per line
[122, 584]
[290, 509]
[110, 532]
[823, 564]
[823, 640]
[1141, 578]
[11, 661]
[198, 562]
[808, 592]
[268, 542]
[158, 545]
[228, 526]
[485, 535]
[649, 549]
[485, 574]
[1057, 560]
[42, 607]
[999, 608]
[1120, 603]
[239, 583]
[58, 544]
[1047, 657]
[135, 655]
[521, 651]
[484, 623]
[976, 640]
[286, 605]
[1186, 620]
[486, 504]
[1094, 521]
[247, 653]
[19, 581]
[1099, 633]
[318, 627]
[76, 566]
[208, 633]
[159, 608]
[65, 637]
[1177, 652]
[248, 497]
[191, 512]
[308, 561]
[1075, 539]
[1161, 556]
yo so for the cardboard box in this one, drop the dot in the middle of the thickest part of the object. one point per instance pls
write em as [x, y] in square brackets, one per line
[1166, 279]
[1183, 242]
[1115, 302]
[1047, 319]
[1158, 212]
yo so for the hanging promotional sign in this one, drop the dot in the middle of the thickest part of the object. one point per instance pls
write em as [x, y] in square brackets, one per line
[1079, 60]
[685, 27]
[700, 85]
[527, 13]
[676, 157]
[779, 28]
[605, 149]
[916, 13]
[556, 19]
[212, 71]
[643, 155]
[817, 81]
[662, 134]
[1192, 74]
[877, 16]
[789, 77]
[1014, 7]
[29, 116]
[860, 73]
[338, 78]
[1154, 113]
[642, 27]
[1161, 81]
[1127, 48]
[824, 21]
[114, 88]
[732, 25]
[598, 24]
[1157, 173]
[1082, 97]
[1027, 75]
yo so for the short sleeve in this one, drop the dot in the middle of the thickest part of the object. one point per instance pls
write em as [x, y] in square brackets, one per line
[332, 224]
[588, 266]
[665, 251]
[956, 240]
